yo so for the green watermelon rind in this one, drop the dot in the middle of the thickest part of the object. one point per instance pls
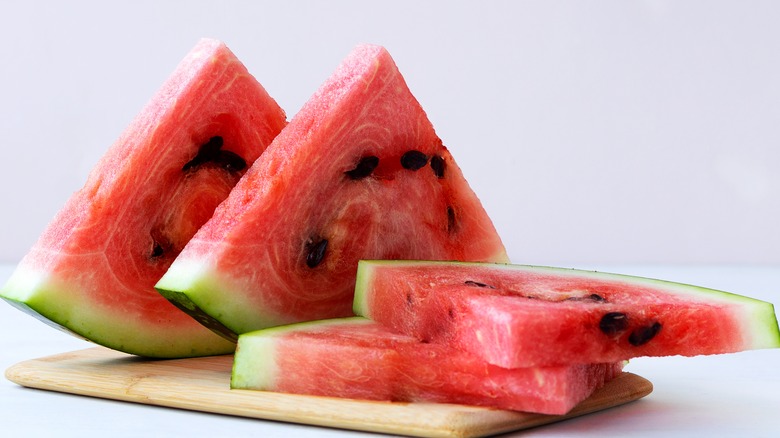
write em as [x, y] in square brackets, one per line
[258, 371]
[195, 285]
[36, 294]
[254, 366]
[758, 318]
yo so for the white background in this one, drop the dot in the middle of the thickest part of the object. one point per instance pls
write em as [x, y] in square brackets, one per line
[593, 132]
[597, 134]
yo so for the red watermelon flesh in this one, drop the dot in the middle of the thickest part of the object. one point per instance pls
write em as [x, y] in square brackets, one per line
[519, 316]
[360, 359]
[358, 173]
[92, 272]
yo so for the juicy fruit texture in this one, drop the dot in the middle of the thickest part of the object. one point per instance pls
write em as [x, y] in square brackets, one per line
[517, 316]
[92, 272]
[358, 173]
[361, 359]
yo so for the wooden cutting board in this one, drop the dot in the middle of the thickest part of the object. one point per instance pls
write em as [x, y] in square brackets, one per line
[203, 384]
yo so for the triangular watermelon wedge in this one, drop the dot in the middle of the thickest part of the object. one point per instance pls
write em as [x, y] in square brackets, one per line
[93, 270]
[358, 173]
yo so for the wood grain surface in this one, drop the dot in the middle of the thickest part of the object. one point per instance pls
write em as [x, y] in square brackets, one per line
[203, 384]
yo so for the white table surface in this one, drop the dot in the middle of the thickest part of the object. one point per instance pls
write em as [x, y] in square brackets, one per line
[727, 395]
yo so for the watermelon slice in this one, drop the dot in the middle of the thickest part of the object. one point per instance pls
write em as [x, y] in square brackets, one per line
[358, 173]
[519, 316]
[360, 359]
[92, 272]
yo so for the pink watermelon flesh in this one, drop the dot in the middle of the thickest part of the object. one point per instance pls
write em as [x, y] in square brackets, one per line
[93, 270]
[358, 173]
[360, 359]
[519, 316]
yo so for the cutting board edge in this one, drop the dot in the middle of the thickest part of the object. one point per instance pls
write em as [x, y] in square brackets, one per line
[457, 421]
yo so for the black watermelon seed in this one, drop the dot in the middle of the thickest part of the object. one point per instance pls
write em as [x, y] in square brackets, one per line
[211, 152]
[592, 297]
[438, 165]
[478, 284]
[157, 250]
[315, 252]
[409, 301]
[231, 161]
[160, 244]
[643, 335]
[208, 151]
[211, 148]
[451, 313]
[413, 160]
[613, 323]
[364, 167]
